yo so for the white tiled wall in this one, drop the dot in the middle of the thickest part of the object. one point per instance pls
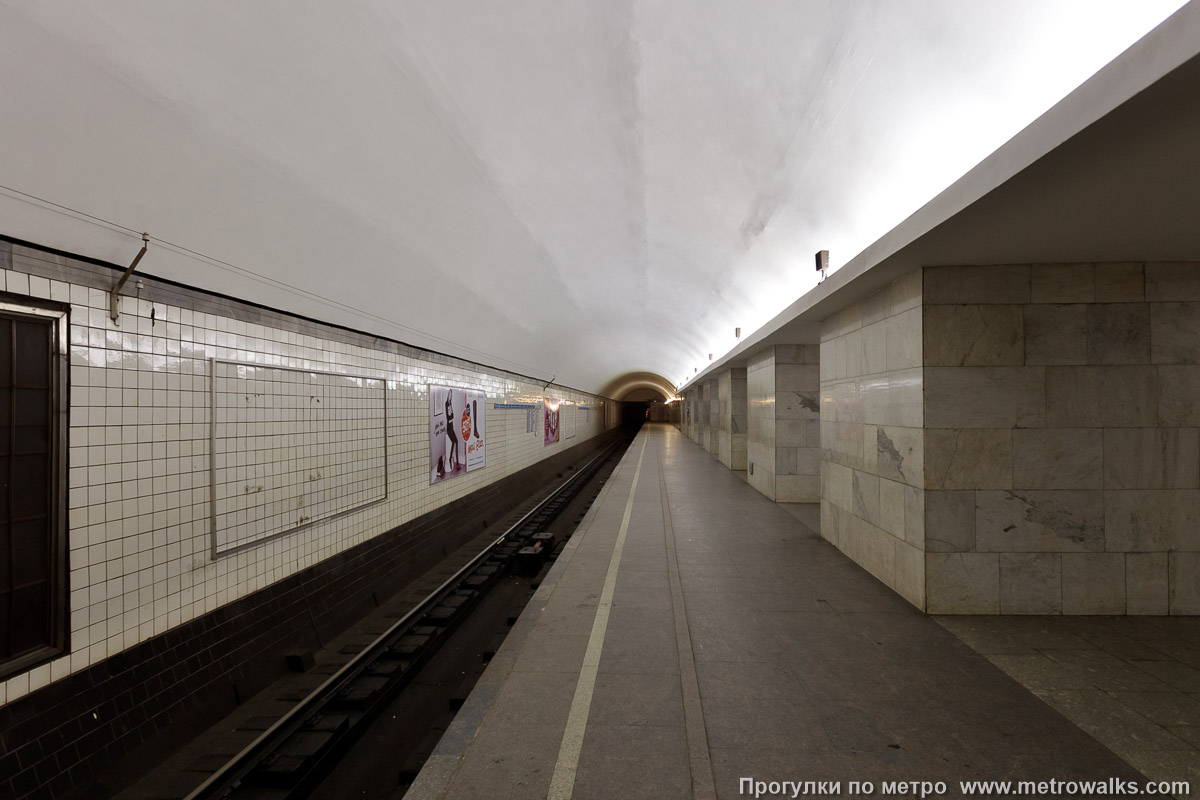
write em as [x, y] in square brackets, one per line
[139, 477]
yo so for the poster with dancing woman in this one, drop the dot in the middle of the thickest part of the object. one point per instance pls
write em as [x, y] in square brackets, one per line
[456, 432]
[551, 420]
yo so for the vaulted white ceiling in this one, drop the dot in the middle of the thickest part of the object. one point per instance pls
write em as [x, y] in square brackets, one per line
[580, 190]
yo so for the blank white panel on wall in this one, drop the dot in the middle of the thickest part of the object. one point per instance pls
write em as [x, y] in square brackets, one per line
[293, 447]
[568, 422]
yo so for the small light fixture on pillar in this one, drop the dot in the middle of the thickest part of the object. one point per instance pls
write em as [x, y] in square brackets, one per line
[822, 264]
[737, 334]
[710, 356]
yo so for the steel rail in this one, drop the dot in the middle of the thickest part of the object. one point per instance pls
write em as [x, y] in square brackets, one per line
[241, 764]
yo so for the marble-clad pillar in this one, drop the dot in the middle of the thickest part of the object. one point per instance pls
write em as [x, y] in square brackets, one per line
[733, 418]
[783, 390]
[872, 437]
[714, 416]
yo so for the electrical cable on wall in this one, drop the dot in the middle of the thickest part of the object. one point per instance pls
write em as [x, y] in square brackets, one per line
[221, 264]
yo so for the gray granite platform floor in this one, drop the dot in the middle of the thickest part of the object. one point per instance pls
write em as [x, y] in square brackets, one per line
[726, 640]
[1133, 683]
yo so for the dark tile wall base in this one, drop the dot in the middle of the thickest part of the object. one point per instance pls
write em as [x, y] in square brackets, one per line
[147, 700]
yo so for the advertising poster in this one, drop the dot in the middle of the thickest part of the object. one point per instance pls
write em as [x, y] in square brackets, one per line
[551, 421]
[456, 434]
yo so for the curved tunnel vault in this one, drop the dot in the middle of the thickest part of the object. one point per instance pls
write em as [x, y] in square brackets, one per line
[643, 396]
[624, 387]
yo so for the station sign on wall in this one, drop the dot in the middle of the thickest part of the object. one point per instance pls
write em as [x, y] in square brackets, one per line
[456, 432]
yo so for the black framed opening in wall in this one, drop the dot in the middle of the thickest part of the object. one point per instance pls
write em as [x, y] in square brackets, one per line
[33, 486]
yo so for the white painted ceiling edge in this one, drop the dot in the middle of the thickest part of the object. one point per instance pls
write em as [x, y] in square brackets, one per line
[571, 190]
[1109, 173]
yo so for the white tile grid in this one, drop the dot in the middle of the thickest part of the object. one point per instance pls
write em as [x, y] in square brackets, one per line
[293, 448]
[138, 484]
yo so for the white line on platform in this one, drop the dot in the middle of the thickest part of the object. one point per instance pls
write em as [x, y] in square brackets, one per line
[563, 783]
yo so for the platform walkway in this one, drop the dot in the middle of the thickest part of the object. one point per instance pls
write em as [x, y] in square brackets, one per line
[693, 634]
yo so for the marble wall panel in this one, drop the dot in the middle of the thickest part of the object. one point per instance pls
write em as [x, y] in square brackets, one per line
[1178, 395]
[914, 516]
[1030, 583]
[841, 401]
[875, 307]
[1062, 283]
[829, 517]
[798, 404]
[1183, 576]
[1093, 583]
[900, 454]
[1058, 458]
[950, 521]
[878, 552]
[865, 497]
[837, 484]
[910, 573]
[1055, 334]
[1151, 458]
[1172, 281]
[962, 583]
[848, 355]
[797, 488]
[842, 442]
[905, 292]
[986, 397]
[1146, 583]
[798, 354]
[905, 399]
[796, 460]
[792, 377]
[1039, 521]
[904, 334]
[986, 284]
[974, 336]
[1101, 397]
[870, 462]
[794, 432]
[1175, 333]
[1120, 282]
[851, 536]
[875, 391]
[968, 458]
[891, 507]
[1151, 520]
[874, 346]
[1118, 333]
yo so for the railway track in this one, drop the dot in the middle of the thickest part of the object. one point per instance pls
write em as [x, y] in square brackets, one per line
[294, 754]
